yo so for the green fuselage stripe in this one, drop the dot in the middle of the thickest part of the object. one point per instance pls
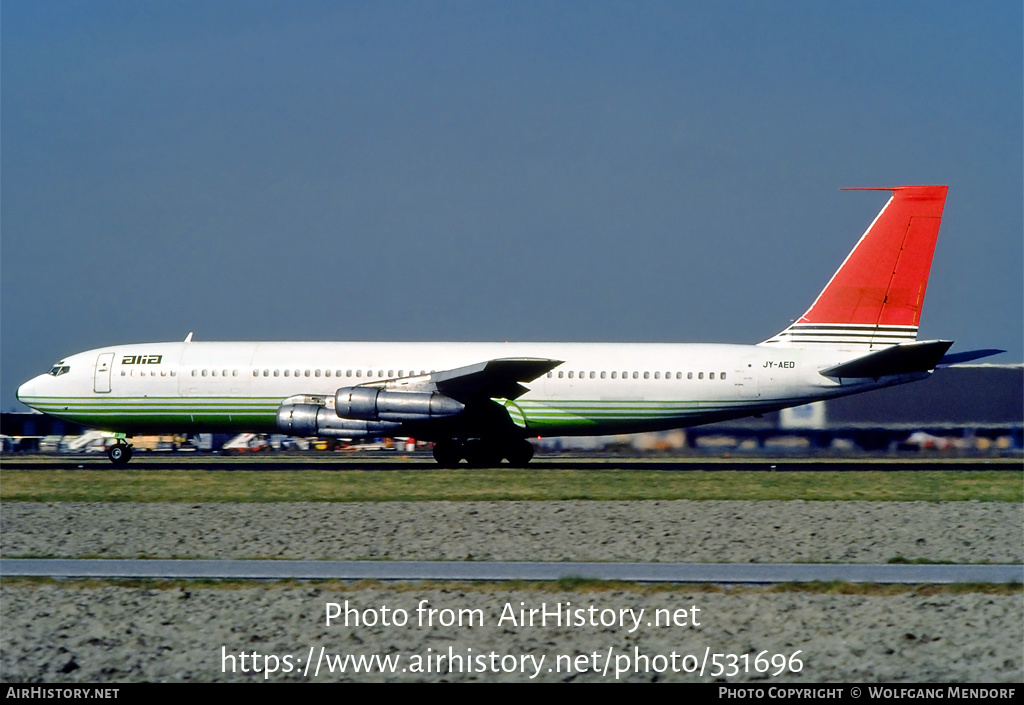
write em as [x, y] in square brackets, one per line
[258, 414]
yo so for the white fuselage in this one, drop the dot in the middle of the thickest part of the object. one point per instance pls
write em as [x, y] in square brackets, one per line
[599, 388]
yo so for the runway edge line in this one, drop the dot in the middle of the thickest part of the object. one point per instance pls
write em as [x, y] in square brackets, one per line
[738, 573]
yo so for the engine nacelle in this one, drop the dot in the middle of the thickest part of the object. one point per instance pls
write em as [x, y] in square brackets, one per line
[375, 404]
[313, 420]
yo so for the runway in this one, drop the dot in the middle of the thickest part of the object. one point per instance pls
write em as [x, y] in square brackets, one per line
[384, 461]
[724, 573]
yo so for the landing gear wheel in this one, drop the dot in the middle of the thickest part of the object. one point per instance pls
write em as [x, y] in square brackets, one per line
[481, 454]
[519, 453]
[448, 453]
[120, 453]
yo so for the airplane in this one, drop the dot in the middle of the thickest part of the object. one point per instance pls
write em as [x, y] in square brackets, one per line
[480, 402]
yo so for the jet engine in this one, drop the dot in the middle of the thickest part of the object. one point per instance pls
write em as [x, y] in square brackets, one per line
[361, 411]
[372, 404]
[313, 420]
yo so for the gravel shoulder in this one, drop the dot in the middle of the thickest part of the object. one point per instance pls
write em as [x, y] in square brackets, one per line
[114, 634]
[108, 632]
[665, 531]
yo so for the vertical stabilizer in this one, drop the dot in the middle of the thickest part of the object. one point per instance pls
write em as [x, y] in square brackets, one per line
[874, 300]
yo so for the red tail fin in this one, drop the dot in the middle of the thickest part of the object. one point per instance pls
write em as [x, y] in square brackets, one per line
[876, 296]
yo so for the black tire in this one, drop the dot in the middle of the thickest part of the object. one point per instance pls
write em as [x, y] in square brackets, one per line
[481, 454]
[519, 453]
[448, 454]
[120, 454]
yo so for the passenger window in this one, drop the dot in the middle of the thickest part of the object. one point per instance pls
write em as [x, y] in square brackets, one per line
[711, 376]
[255, 373]
[570, 374]
[550, 375]
[689, 375]
[679, 375]
[266, 372]
[602, 374]
[391, 373]
[657, 375]
[700, 375]
[287, 373]
[721, 376]
[317, 373]
[614, 375]
[560, 374]
[204, 373]
[359, 373]
[277, 373]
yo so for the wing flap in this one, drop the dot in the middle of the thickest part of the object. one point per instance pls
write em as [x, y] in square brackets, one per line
[500, 378]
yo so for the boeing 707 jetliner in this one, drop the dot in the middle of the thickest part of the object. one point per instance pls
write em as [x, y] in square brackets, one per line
[479, 402]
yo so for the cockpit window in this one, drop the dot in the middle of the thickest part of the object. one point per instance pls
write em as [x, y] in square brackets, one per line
[59, 369]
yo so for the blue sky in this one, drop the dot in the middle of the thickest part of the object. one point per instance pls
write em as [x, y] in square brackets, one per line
[656, 171]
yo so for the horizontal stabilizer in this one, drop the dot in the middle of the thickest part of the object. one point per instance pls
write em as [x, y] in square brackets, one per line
[967, 356]
[896, 360]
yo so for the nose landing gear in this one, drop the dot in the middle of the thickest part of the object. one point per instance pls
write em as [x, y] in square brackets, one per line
[120, 453]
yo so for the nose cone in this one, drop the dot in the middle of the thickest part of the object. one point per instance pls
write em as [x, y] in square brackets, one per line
[27, 391]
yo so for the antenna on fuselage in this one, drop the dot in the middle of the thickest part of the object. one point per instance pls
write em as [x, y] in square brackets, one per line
[188, 338]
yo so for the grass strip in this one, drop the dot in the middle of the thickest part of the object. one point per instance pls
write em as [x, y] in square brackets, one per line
[504, 485]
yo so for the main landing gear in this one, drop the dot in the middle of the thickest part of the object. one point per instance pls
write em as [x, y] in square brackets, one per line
[483, 453]
[120, 453]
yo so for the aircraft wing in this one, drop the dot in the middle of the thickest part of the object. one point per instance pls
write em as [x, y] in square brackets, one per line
[500, 378]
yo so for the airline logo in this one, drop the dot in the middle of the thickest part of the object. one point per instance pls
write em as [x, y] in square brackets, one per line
[141, 359]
